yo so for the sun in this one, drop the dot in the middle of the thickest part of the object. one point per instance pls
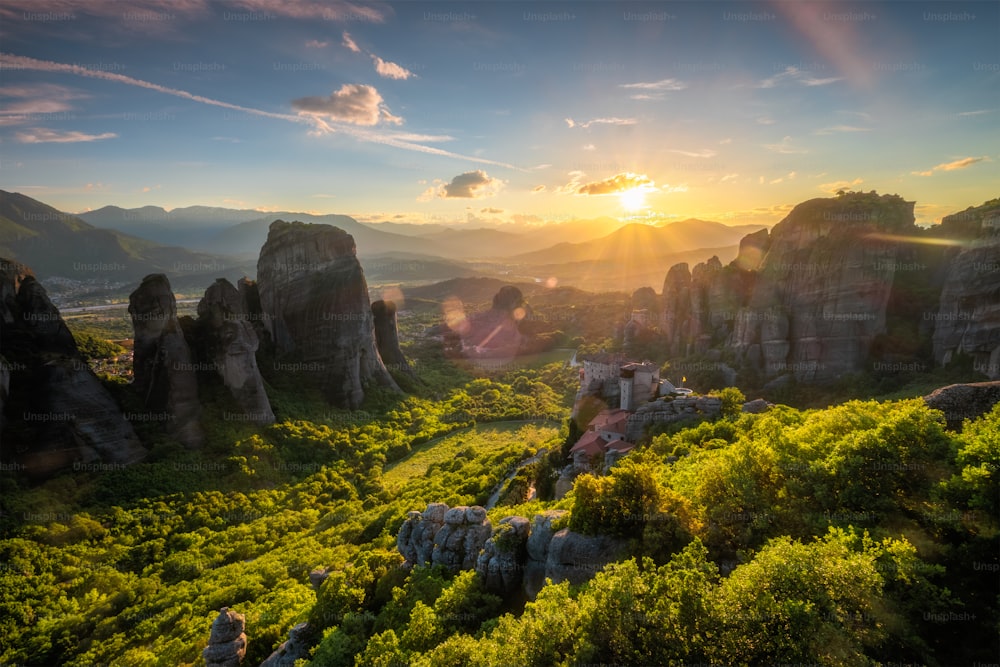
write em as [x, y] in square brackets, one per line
[632, 200]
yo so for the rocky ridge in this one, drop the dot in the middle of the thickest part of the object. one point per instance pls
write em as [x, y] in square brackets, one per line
[57, 412]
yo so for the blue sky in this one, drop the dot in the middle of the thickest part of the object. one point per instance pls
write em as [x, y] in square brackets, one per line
[499, 111]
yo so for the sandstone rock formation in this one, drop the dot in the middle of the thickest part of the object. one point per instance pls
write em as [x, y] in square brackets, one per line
[458, 542]
[501, 563]
[314, 300]
[452, 537]
[968, 318]
[164, 368]
[807, 301]
[670, 410]
[296, 647]
[576, 558]
[228, 643]
[518, 556]
[228, 344]
[959, 402]
[58, 412]
[387, 337]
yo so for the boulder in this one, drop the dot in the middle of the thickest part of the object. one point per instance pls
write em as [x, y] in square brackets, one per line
[756, 406]
[458, 543]
[228, 643]
[959, 402]
[164, 370]
[315, 307]
[576, 558]
[296, 647]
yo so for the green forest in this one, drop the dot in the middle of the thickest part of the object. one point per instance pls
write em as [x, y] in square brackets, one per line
[858, 534]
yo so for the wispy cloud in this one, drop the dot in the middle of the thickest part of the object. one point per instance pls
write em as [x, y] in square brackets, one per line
[703, 153]
[785, 147]
[653, 90]
[317, 44]
[728, 177]
[962, 163]
[348, 43]
[979, 112]
[385, 68]
[41, 135]
[836, 129]
[329, 10]
[618, 183]
[662, 84]
[319, 124]
[796, 76]
[613, 120]
[390, 70]
[833, 187]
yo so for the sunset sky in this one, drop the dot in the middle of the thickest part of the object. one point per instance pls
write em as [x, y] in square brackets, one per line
[499, 111]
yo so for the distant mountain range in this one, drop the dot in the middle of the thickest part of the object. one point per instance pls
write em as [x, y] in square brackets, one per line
[197, 244]
[58, 244]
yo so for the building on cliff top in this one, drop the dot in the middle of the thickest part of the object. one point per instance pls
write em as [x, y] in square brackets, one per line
[605, 435]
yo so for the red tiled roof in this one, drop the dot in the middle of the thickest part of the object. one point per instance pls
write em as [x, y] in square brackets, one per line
[609, 420]
[591, 443]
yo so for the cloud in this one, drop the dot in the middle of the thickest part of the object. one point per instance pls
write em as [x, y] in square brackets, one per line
[601, 121]
[704, 153]
[316, 44]
[354, 103]
[796, 75]
[320, 125]
[842, 128]
[832, 188]
[955, 165]
[470, 185]
[390, 70]
[41, 135]
[329, 10]
[765, 120]
[349, 43]
[491, 210]
[727, 140]
[979, 112]
[662, 84]
[34, 100]
[538, 188]
[728, 177]
[784, 147]
[589, 147]
[617, 183]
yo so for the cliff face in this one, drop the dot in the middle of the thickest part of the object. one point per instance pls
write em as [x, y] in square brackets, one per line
[228, 343]
[968, 318]
[807, 300]
[58, 412]
[387, 336]
[163, 365]
[315, 307]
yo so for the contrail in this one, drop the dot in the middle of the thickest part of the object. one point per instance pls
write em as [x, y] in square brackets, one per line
[10, 61]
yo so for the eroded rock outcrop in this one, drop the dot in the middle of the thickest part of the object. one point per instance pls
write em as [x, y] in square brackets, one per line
[163, 365]
[228, 343]
[665, 411]
[59, 414]
[387, 337]
[440, 535]
[502, 560]
[296, 647]
[959, 402]
[518, 556]
[316, 309]
[458, 542]
[968, 319]
[228, 643]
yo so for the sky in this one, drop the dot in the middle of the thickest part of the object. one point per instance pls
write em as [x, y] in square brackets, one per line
[499, 112]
